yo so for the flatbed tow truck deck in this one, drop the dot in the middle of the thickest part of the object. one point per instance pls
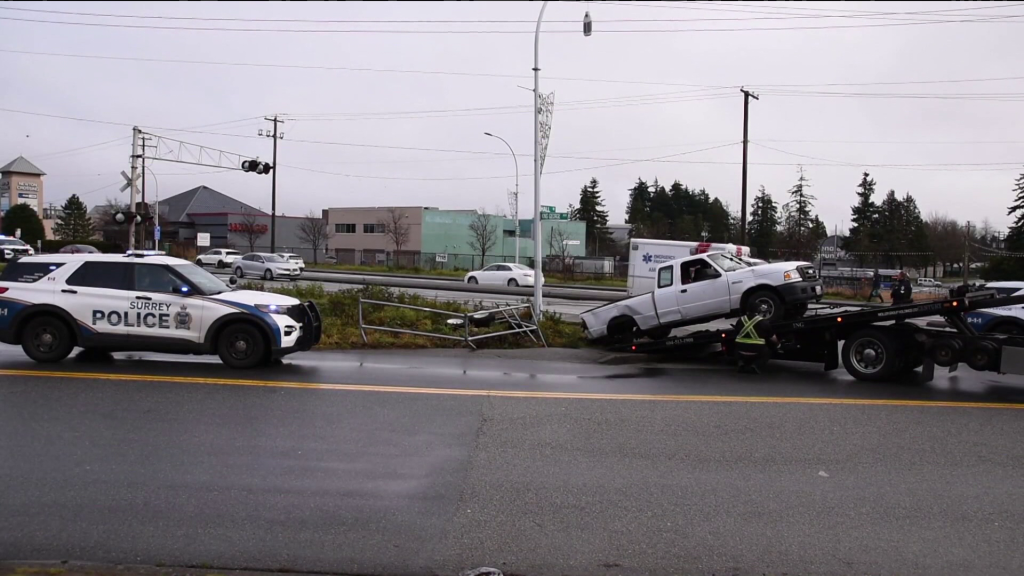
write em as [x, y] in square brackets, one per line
[878, 343]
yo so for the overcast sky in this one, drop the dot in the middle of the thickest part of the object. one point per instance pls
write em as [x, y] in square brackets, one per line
[665, 86]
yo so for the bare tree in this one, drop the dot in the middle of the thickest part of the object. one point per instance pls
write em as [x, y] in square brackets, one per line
[945, 235]
[251, 229]
[396, 230]
[558, 248]
[483, 234]
[313, 232]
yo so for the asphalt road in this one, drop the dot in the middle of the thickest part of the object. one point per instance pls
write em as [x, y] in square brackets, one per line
[534, 462]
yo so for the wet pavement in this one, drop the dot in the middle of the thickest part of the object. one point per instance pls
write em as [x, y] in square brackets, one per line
[531, 461]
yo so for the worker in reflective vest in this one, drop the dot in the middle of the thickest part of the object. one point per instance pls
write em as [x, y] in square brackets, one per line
[755, 340]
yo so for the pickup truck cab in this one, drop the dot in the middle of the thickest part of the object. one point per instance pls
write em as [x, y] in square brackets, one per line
[707, 287]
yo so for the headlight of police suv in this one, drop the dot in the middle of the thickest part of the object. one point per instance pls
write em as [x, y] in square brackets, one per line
[273, 308]
[791, 275]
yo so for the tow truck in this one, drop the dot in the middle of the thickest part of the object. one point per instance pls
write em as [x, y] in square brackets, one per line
[878, 343]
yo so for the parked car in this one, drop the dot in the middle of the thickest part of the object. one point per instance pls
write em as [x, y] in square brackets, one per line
[266, 266]
[219, 257]
[294, 259]
[703, 288]
[511, 275]
[928, 283]
[78, 249]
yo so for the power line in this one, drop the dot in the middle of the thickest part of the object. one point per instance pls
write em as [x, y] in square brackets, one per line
[868, 165]
[494, 31]
[486, 74]
[621, 163]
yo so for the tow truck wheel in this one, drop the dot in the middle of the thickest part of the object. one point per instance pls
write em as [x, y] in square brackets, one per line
[47, 339]
[241, 346]
[870, 355]
[945, 352]
[767, 304]
[982, 356]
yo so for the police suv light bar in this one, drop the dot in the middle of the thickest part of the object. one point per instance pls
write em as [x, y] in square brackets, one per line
[144, 253]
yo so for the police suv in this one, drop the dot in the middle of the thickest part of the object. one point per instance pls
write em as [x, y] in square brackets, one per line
[148, 303]
[11, 248]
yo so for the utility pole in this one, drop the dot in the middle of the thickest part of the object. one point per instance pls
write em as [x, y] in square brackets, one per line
[967, 252]
[144, 139]
[743, 197]
[135, 172]
[273, 185]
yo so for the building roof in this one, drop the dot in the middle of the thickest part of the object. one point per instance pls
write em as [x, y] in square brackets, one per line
[201, 200]
[22, 166]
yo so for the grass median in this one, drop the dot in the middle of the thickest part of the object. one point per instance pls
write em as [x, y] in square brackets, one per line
[340, 311]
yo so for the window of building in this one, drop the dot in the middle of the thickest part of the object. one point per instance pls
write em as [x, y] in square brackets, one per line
[344, 228]
[373, 229]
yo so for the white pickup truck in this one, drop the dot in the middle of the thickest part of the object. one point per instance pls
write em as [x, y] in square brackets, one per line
[706, 287]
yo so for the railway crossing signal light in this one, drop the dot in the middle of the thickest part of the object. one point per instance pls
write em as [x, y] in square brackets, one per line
[256, 166]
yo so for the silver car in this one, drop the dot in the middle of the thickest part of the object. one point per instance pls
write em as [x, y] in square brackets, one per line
[266, 266]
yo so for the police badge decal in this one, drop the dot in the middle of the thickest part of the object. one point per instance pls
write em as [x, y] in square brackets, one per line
[183, 319]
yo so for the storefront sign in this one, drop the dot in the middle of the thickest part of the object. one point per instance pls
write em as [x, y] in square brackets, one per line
[27, 187]
[243, 227]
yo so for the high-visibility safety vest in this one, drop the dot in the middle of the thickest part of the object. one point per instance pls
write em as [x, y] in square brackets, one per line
[748, 335]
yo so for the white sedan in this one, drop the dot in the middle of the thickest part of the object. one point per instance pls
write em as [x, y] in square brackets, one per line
[511, 275]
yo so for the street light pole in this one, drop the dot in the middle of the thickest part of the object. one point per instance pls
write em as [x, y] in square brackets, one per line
[538, 235]
[538, 250]
[516, 215]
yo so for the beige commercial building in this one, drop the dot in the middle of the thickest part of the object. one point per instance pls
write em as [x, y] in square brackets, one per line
[361, 229]
[21, 182]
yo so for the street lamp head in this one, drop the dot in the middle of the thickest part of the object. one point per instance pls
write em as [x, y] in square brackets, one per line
[588, 24]
[488, 134]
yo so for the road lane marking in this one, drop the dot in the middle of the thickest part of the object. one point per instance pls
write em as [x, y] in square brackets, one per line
[506, 393]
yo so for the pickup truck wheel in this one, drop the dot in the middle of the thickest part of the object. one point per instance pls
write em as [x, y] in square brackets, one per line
[622, 331]
[870, 355]
[767, 304]
[658, 333]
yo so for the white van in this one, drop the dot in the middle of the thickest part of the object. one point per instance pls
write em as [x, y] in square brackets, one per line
[646, 255]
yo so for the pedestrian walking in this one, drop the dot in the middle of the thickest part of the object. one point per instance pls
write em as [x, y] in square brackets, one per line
[876, 287]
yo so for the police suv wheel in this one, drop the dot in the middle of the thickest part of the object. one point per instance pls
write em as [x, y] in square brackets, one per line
[241, 346]
[47, 339]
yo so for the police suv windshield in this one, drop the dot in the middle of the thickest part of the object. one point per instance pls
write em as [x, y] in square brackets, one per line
[207, 283]
[11, 242]
[727, 262]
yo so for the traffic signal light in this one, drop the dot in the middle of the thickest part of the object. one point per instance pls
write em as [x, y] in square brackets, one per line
[257, 166]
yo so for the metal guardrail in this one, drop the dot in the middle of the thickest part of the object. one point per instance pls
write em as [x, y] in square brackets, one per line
[508, 314]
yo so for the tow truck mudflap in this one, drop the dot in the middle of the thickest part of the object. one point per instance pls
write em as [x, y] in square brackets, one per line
[312, 325]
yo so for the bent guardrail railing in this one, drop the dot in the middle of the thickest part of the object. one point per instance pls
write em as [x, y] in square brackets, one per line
[509, 314]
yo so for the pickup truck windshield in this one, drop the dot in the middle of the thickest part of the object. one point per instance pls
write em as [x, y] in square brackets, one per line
[727, 262]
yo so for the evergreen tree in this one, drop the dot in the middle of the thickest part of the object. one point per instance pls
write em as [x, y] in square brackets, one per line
[23, 217]
[913, 235]
[889, 229]
[74, 223]
[662, 213]
[864, 222]
[591, 210]
[799, 228]
[763, 226]
[1015, 237]
[638, 209]
[718, 222]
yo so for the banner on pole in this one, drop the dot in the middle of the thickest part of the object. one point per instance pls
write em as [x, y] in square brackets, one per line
[546, 111]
